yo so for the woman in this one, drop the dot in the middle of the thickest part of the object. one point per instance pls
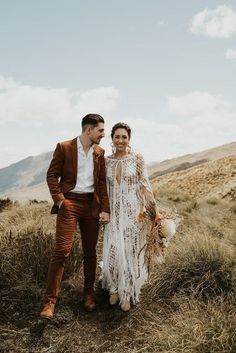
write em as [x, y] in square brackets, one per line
[124, 269]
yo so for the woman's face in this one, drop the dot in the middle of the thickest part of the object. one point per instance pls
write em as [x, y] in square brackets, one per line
[120, 139]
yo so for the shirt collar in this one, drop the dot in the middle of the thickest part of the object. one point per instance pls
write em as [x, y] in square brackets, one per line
[80, 146]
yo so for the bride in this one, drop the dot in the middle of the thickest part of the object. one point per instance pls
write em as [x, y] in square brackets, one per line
[124, 269]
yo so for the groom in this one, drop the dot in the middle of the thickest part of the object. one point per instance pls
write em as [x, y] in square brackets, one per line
[77, 183]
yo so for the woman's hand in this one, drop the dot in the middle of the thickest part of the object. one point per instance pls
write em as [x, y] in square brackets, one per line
[141, 214]
[158, 218]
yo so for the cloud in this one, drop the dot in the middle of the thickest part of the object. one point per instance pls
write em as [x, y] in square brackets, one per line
[36, 105]
[218, 23]
[155, 140]
[196, 103]
[103, 99]
[189, 123]
[10, 154]
[163, 23]
[230, 54]
[208, 120]
[192, 122]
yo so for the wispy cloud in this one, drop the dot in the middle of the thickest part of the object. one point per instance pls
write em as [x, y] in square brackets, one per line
[217, 23]
[35, 105]
[196, 103]
[230, 54]
[209, 119]
[163, 23]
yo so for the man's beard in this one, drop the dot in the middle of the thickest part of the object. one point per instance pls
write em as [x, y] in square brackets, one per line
[97, 141]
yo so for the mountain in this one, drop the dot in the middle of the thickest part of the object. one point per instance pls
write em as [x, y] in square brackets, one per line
[212, 169]
[190, 160]
[25, 179]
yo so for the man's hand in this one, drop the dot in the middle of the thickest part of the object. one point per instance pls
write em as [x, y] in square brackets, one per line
[104, 217]
[60, 203]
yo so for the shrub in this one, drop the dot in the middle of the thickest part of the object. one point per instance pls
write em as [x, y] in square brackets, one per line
[5, 203]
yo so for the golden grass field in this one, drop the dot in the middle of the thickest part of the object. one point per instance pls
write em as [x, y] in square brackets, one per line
[188, 306]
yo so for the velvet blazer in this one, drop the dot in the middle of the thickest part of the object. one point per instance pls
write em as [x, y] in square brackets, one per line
[62, 175]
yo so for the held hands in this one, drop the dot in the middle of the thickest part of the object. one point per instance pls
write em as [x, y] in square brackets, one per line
[104, 217]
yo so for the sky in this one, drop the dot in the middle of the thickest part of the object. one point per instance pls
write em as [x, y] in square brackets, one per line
[167, 68]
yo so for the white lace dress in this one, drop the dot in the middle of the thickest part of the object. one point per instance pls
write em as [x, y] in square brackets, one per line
[124, 269]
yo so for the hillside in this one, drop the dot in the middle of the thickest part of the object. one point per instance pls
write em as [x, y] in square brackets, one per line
[214, 178]
[189, 160]
[25, 179]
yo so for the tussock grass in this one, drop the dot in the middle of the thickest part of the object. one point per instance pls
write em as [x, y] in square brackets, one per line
[213, 201]
[189, 306]
[26, 242]
[201, 267]
[196, 327]
[5, 204]
[233, 208]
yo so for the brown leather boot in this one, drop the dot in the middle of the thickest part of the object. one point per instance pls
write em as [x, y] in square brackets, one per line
[89, 302]
[48, 311]
[55, 272]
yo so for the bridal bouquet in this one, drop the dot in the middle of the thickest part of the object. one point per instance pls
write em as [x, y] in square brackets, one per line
[162, 228]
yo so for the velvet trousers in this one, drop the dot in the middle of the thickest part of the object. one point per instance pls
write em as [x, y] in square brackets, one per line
[76, 208]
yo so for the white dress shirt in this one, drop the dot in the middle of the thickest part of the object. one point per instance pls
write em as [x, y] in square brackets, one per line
[84, 181]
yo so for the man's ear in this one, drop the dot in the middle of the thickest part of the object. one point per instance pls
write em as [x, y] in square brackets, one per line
[89, 129]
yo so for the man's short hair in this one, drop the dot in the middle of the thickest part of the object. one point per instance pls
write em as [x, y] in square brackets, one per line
[91, 119]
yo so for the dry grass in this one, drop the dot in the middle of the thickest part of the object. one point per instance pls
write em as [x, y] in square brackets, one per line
[202, 267]
[189, 306]
[194, 327]
[5, 204]
[27, 234]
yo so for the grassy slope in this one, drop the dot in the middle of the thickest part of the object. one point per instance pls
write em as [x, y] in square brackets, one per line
[189, 305]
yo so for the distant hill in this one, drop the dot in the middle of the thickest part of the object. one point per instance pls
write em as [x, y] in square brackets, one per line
[190, 160]
[213, 168]
[26, 179]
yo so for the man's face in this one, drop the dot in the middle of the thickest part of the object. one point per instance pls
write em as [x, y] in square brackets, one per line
[96, 133]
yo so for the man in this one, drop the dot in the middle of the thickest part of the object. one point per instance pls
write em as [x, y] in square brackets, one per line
[77, 183]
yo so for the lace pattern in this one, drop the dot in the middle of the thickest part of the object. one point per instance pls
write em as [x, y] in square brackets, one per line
[124, 268]
[130, 245]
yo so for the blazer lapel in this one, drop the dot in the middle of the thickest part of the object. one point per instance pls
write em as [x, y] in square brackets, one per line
[74, 151]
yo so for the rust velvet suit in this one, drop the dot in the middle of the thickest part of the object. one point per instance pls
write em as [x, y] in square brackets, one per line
[83, 209]
[64, 166]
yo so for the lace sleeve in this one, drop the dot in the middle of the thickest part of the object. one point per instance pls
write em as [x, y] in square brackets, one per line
[145, 190]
